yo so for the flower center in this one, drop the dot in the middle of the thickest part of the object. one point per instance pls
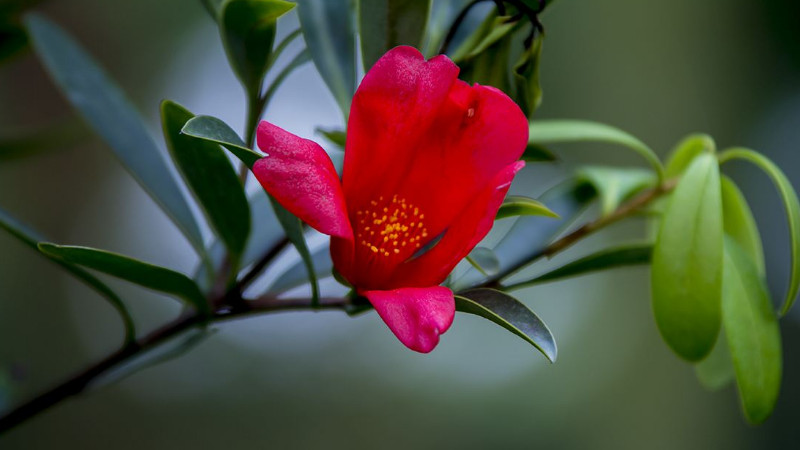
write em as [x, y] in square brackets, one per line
[389, 227]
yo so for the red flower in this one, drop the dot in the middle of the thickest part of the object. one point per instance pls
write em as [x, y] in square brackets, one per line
[428, 161]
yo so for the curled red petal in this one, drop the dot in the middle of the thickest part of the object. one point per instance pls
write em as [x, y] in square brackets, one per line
[301, 177]
[417, 316]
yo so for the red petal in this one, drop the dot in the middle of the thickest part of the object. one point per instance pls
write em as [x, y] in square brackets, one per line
[301, 177]
[417, 316]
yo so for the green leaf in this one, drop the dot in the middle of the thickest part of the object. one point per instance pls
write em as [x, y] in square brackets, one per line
[214, 130]
[517, 205]
[686, 151]
[58, 135]
[538, 153]
[739, 223]
[626, 255]
[484, 260]
[687, 263]
[248, 30]
[385, 24]
[301, 58]
[616, 185]
[790, 203]
[753, 335]
[715, 371]
[32, 238]
[294, 231]
[489, 33]
[556, 131]
[335, 136]
[106, 109]
[511, 314]
[144, 274]
[297, 275]
[212, 178]
[329, 32]
[13, 41]
[526, 78]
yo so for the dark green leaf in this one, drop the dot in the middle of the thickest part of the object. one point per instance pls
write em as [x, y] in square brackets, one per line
[106, 109]
[484, 260]
[517, 205]
[13, 41]
[337, 137]
[329, 32]
[510, 314]
[753, 335]
[294, 231]
[526, 78]
[59, 135]
[492, 30]
[31, 238]
[490, 66]
[685, 152]
[715, 371]
[687, 263]
[739, 223]
[537, 153]
[556, 131]
[615, 185]
[385, 24]
[248, 32]
[212, 178]
[790, 203]
[214, 130]
[626, 255]
[144, 274]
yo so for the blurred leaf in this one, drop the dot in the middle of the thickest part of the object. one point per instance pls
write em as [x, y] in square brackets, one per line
[296, 274]
[526, 78]
[248, 33]
[56, 136]
[211, 177]
[625, 255]
[790, 203]
[715, 371]
[335, 136]
[517, 205]
[615, 185]
[106, 109]
[491, 31]
[739, 223]
[685, 152]
[301, 58]
[329, 31]
[510, 314]
[687, 263]
[490, 67]
[144, 274]
[385, 24]
[294, 231]
[753, 335]
[214, 130]
[555, 131]
[537, 153]
[283, 45]
[212, 7]
[484, 260]
[32, 239]
[13, 41]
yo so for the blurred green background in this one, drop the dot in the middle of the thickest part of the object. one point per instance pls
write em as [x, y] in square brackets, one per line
[659, 70]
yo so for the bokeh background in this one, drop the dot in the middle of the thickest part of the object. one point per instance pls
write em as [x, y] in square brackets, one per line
[659, 70]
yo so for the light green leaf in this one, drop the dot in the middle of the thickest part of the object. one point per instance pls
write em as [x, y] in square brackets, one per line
[248, 30]
[715, 371]
[517, 205]
[484, 260]
[526, 78]
[144, 274]
[557, 131]
[32, 238]
[329, 32]
[212, 178]
[538, 153]
[336, 137]
[790, 203]
[686, 151]
[106, 109]
[626, 255]
[492, 30]
[214, 130]
[687, 263]
[753, 335]
[615, 185]
[510, 314]
[385, 24]
[294, 231]
[739, 223]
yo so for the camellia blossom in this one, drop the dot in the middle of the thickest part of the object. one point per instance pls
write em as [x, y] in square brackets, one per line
[428, 161]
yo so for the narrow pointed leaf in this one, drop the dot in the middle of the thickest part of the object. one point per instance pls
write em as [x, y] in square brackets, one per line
[484, 260]
[511, 314]
[294, 231]
[790, 203]
[526, 78]
[538, 153]
[105, 109]
[138, 272]
[517, 205]
[301, 58]
[329, 31]
[297, 274]
[715, 371]
[615, 185]
[385, 24]
[32, 239]
[686, 272]
[739, 223]
[336, 137]
[214, 130]
[557, 131]
[685, 152]
[753, 336]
